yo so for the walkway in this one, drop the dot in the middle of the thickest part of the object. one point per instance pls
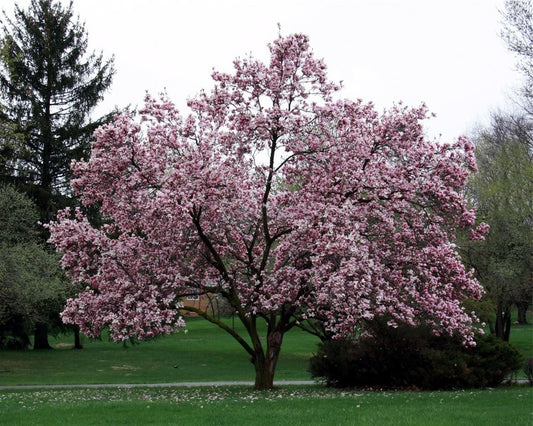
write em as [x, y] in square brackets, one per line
[180, 384]
[154, 385]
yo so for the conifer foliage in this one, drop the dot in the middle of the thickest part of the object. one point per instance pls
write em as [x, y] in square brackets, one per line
[48, 87]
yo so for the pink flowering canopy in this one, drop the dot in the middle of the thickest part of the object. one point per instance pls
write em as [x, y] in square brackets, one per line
[293, 206]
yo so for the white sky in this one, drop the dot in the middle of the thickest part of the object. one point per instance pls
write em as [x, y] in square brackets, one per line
[446, 53]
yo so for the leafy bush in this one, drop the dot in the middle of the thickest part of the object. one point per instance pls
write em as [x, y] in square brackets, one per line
[413, 357]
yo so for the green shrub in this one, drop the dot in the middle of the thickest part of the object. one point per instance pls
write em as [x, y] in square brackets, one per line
[407, 357]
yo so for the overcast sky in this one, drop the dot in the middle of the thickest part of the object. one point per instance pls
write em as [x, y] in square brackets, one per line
[446, 53]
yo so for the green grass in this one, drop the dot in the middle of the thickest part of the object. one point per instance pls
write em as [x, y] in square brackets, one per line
[204, 353]
[311, 405]
[522, 339]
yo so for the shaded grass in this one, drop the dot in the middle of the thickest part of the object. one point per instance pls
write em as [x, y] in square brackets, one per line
[311, 405]
[522, 339]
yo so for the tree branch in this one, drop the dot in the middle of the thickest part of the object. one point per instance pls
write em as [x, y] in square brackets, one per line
[217, 260]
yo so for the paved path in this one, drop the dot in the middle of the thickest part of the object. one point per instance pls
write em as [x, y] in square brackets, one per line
[154, 385]
[176, 384]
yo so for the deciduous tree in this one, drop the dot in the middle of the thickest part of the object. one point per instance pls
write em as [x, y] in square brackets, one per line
[293, 206]
[502, 192]
[518, 34]
[33, 288]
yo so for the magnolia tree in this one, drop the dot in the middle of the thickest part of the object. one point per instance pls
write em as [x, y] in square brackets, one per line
[297, 209]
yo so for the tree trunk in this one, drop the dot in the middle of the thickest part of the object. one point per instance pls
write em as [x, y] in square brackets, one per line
[522, 311]
[41, 337]
[503, 322]
[507, 324]
[498, 326]
[265, 366]
[77, 338]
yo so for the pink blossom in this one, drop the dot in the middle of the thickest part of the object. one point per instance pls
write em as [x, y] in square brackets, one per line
[291, 205]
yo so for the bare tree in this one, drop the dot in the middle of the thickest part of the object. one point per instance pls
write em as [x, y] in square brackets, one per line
[518, 34]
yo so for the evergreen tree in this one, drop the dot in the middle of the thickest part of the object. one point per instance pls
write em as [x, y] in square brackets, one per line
[48, 88]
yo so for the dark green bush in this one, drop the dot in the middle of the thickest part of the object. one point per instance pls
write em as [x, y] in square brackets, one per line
[407, 357]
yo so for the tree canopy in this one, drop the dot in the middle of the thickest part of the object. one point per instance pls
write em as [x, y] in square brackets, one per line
[298, 209]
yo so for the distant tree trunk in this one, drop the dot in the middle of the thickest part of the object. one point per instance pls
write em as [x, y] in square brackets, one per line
[41, 337]
[503, 322]
[507, 324]
[77, 338]
[522, 311]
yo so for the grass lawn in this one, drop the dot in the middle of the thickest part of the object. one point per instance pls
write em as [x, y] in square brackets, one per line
[310, 405]
[522, 339]
[204, 353]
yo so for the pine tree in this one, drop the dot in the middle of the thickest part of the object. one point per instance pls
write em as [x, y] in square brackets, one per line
[49, 86]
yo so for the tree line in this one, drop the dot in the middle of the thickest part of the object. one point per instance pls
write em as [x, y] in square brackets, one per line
[502, 190]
